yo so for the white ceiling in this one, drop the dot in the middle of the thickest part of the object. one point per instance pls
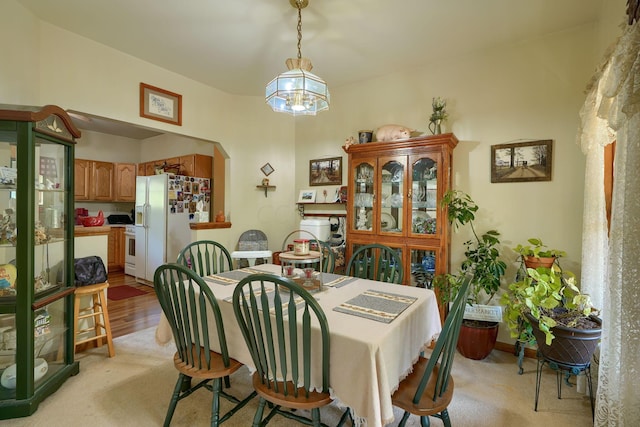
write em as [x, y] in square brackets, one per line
[238, 46]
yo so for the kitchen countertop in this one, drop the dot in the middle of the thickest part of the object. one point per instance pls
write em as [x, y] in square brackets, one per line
[81, 231]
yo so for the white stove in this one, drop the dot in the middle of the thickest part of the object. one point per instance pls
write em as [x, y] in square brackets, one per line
[130, 250]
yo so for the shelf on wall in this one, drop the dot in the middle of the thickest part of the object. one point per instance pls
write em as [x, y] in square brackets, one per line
[266, 188]
[342, 212]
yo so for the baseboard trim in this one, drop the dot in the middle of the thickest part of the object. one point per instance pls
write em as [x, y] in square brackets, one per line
[511, 348]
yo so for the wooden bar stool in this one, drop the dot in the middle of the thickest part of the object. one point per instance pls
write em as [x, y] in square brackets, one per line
[98, 311]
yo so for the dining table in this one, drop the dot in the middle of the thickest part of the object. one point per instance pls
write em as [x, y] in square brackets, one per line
[377, 331]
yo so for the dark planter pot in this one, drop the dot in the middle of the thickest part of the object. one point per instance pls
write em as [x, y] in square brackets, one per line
[477, 339]
[572, 347]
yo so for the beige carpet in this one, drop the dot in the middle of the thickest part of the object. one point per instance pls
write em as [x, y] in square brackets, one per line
[134, 388]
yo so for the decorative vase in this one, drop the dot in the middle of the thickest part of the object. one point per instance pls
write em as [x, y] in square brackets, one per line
[435, 127]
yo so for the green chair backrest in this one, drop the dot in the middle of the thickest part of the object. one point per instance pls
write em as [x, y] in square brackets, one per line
[328, 256]
[185, 300]
[376, 262]
[275, 316]
[206, 257]
[445, 348]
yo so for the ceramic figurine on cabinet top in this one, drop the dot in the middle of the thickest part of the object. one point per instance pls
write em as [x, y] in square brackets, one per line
[349, 142]
[388, 133]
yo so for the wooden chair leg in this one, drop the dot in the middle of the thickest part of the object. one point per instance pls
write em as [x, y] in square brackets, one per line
[404, 419]
[76, 322]
[257, 419]
[107, 323]
[97, 307]
[174, 399]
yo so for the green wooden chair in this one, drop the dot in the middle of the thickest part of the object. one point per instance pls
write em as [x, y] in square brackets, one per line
[206, 257]
[428, 390]
[376, 262]
[184, 297]
[328, 256]
[275, 316]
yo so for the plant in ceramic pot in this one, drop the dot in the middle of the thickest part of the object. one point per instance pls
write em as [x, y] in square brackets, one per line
[482, 260]
[547, 307]
[537, 254]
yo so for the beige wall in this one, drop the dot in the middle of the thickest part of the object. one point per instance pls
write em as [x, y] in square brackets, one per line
[19, 82]
[523, 91]
[58, 67]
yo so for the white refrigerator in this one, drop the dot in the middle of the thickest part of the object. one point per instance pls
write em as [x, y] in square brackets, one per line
[165, 205]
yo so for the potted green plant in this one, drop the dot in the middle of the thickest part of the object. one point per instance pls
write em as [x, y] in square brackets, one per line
[482, 260]
[547, 307]
[537, 254]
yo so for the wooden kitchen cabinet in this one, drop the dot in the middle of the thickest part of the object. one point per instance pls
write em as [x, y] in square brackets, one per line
[93, 180]
[115, 249]
[82, 179]
[101, 188]
[125, 182]
[104, 181]
[198, 165]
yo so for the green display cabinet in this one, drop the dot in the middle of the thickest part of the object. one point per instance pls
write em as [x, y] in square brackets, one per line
[36, 255]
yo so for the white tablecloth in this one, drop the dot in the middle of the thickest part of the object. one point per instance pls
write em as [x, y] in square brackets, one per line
[368, 358]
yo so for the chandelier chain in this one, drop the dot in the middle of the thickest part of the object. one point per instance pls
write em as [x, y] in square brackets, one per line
[299, 28]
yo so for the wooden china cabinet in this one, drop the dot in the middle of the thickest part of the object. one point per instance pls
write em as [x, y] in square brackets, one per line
[394, 195]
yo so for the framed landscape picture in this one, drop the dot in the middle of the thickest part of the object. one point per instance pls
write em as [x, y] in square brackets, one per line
[325, 171]
[307, 196]
[522, 162]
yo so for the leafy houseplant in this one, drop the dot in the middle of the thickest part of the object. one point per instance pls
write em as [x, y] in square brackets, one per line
[546, 303]
[537, 254]
[482, 261]
[482, 255]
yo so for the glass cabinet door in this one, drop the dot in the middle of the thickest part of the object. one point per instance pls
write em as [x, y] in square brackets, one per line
[423, 267]
[363, 196]
[392, 191]
[424, 194]
[8, 187]
[50, 216]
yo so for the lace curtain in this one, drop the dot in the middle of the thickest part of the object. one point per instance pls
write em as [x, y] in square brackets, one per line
[612, 111]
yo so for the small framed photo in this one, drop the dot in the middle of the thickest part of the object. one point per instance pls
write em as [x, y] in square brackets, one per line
[159, 104]
[325, 171]
[267, 169]
[522, 162]
[307, 196]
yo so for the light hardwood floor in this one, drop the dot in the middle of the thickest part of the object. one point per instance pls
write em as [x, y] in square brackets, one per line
[132, 314]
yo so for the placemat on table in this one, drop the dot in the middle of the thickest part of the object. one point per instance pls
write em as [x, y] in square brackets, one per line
[376, 305]
[231, 277]
[336, 280]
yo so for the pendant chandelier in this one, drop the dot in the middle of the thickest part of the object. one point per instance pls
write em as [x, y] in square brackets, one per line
[298, 91]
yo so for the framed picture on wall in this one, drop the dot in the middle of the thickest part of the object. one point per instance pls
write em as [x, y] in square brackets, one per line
[159, 104]
[522, 162]
[325, 171]
[307, 196]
